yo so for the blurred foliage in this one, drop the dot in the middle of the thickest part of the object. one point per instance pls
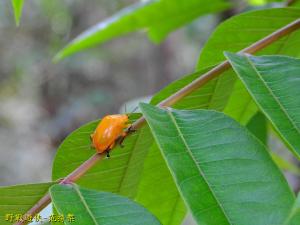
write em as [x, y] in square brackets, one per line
[18, 6]
[157, 17]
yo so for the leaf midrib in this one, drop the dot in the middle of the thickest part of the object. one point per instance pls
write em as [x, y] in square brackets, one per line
[198, 167]
[85, 204]
[273, 95]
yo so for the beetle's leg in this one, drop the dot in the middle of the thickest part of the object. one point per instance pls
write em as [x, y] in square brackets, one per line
[121, 139]
[107, 154]
[92, 144]
[121, 142]
[130, 129]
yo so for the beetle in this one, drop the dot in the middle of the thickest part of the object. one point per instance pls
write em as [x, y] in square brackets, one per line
[110, 130]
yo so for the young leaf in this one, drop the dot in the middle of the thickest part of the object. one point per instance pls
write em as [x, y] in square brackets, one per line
[224, 174]
[273, 82]
[17, 6]
[19, 199]
[91, 207]
[159, 17]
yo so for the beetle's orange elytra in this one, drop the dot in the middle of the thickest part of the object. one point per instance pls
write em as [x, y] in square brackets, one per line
[111, 128]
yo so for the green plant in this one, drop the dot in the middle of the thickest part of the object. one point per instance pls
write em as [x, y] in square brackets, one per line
[193, 156]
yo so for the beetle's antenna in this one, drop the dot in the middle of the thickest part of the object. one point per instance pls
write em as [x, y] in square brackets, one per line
[134, 109]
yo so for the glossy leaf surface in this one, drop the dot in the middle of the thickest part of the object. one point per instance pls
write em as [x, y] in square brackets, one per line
[91, 207]
[18, 199]
[220, 168]
[273, 82]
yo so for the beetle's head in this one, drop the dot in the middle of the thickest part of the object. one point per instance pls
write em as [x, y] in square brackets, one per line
[124, 118]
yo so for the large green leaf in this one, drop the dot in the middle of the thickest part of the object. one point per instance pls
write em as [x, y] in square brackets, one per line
[273, 82]
[19, 199]
[17, 6]
[224, 174]
[156, 177]
[157, 186]
[239, 32]
[294, 216]
[91, 207]
[159, 17]
[240, 105]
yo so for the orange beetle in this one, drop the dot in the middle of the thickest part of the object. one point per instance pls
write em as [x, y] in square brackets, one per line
[109, 130]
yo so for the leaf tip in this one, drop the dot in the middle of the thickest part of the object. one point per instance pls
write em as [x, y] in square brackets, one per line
[58, 57]
[17, 8]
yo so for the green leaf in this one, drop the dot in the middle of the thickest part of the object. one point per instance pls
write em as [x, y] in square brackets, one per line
[19, 199]
[258, 127]
[17, 6]
[294, 216]
[240, 105]
[159, 17]
[273, 82]
[210, 96]
[156, 177]
[224, 174]
[157, 186]
[237, 33]
[93, 207]
[119, 174]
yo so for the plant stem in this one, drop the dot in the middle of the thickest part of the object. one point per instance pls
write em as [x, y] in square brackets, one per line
[197, 83]
[72, 177]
